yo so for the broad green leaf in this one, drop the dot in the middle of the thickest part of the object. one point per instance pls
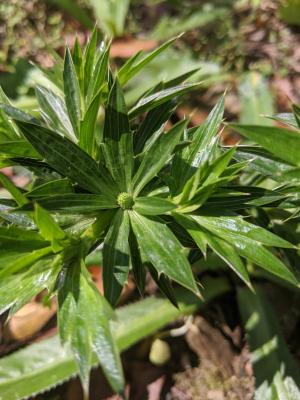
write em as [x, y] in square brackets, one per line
[45, 364]
[72, 92]
[125, 73]
[276, 373]
[159, 246]
[116, 257]
[159, 98]
[54, 112]
[13, 190]
[117, 138]
[21, 288]
[66, 157]
[75, 203]
[88, 126]
[83, 324]
[153, 161]
[281, 142]
[153, 205]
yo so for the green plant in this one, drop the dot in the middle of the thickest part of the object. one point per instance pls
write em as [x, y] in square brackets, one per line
[151, 198]
[289, 11]
[43, 365]
[276, 373]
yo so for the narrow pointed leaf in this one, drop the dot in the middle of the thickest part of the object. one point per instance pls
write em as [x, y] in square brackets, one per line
[240, 227]
[45, 364]
[88, 59]
[160, 153]
[57, 186]
[49, 228]
[18, 148]
[164, 284]
[138, 269]
[13, 190]
[153, 122]
[153, 205]
[65, 157]
[158, 98]
[83, 323]
[53, 110]
[77, 60]
[99, 75]
[283, 143]
[116, 257]
[34, 280]
[249, 244]
[192, 157]
[224, 250]
[117, 137]
[159, 246]
[88, 126]
[75, 203]
[72, 92]
[24, 261]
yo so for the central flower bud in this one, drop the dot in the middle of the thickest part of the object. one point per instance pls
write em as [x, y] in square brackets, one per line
[125, 201]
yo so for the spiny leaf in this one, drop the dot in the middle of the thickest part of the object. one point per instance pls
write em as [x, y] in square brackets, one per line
[83, 323]
[54, 112]
[117, 138]
[72, 92]
[45, 364]
[159, 246]
[158, 98]
[88, 126]
[116, 257]
[65, 157]
[282, 142]
[224, 250]
[160, 152]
